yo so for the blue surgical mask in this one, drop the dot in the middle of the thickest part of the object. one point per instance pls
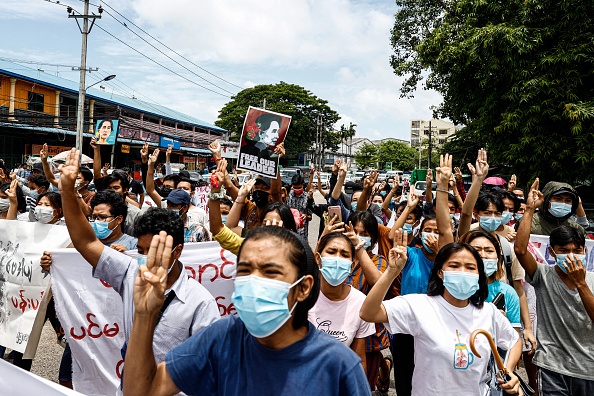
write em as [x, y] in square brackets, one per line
[490, 223]
[101, 228]
[262, 303]
[34, 194]
[335, 269]
[490, 266]
[224, 219]
[407, 227]
[559, 209]
[354, 206]
[519, 216]
[506, 217]
[383, 193]
[367, 241]
[142, 259]
[461, 285]
[560, 260]
[424, 241]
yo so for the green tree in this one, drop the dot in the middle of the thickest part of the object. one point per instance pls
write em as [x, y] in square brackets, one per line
[518, 74]
[306, 110]
[365, 156]
[347, 134]
[401, 155]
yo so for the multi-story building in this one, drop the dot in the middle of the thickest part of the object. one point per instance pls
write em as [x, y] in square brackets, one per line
[441, 132]
[38, 107]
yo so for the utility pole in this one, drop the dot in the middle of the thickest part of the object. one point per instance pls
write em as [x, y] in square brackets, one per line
[429, 156]
[84, 30]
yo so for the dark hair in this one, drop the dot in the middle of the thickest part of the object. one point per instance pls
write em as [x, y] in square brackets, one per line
[39, 179]
[436, 287]
[300, 255]
[334, 235]
[474, 234]
[156, 220]
[118, 175]
[283, 211]
[21, 202]
[297, 179]
[175, 179]
[511, 196]
[565, 234]
[486, 198]
[265, 120]
[226, 201]
[369, 223]
[116, 202]
[378, 195]
[427, 217]
[54, 198]
[104, 121]
[86, 174]
[357, 187]
[186, 180]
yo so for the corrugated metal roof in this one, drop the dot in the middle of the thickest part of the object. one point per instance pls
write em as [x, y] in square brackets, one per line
[40, 77]
[195, 150]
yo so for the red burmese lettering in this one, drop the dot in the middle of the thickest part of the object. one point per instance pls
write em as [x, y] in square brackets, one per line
[91, 325]
[78, 337]
[105, 283]
[222, 271]
[203, 268]
[111, 332]
[119, 369]
[192, 272]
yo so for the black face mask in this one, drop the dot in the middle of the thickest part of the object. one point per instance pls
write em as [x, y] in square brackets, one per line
[260, 198]
[165, 192]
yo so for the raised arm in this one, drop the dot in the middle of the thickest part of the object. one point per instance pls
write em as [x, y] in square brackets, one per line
[411, 204]
[215, 149]
[534, 200]
[368, 184]
[479, 174]
[429, 186]
[388, 199]
[168, 170]
[276, 183]
[312, 171]
[214, 207]
[373, 309]
[81, 233]
[235, 212]
[442, 213]
[372, 274]
[150, 180]
[96, 159]
[47, 170]
[143, 375]
[14, 203]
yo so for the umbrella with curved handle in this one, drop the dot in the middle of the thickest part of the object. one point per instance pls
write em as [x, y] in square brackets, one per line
[503, 372]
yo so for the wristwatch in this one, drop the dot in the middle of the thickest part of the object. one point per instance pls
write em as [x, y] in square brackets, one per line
[79, 195]
[215, 196]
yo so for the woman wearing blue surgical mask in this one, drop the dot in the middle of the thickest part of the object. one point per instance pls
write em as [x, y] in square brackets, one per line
[488, 248]
[363, 225]
[269, 347]
[337, 310]
[443, 319]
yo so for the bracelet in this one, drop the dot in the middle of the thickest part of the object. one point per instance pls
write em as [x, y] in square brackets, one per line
[216, 196]
[218, 159]
[440, 190]
[239, 203]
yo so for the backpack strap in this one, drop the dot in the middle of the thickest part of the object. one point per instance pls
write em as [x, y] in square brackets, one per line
[507, 258]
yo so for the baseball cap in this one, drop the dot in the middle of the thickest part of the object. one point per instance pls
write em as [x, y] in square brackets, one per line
[179, 196]
[263, 179]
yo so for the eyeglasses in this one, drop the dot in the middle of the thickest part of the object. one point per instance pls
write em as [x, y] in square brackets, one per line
[99, 217]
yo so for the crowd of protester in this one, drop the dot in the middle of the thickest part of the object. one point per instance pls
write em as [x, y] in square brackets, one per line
[415, 272]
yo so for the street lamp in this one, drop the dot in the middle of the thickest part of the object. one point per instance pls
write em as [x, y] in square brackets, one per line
[110, 77]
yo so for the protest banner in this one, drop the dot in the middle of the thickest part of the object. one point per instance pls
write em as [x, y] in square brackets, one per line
[539, 247]
[22, 282]
[15, 381]
[262, 131]
[91, 311]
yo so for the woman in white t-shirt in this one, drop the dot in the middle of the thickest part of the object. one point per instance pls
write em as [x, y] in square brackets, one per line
[443, 319]
[337, 310]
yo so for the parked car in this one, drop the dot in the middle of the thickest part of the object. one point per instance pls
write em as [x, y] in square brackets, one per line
[325, 179]
[244, 178]
[421, 185]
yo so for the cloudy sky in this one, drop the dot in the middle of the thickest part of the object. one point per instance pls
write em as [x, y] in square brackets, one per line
[337, 49]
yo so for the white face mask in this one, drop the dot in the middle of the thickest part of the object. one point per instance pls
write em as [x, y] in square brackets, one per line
[44, 214]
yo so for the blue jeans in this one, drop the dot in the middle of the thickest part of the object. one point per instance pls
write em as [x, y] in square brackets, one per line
[555, 384]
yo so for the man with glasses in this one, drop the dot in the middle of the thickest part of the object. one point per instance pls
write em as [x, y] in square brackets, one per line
[108, 213]
[118, 181]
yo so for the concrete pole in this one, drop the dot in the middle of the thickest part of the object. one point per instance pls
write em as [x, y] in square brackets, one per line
[57, 110]
[81, 88]
[11, 102]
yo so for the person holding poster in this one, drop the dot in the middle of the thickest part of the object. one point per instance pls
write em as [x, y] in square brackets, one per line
[106, 131]
[268, 348]
[189, 308]
[262, 131]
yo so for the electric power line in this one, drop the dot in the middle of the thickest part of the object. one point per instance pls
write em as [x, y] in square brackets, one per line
[169, 57]
[163, 44]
